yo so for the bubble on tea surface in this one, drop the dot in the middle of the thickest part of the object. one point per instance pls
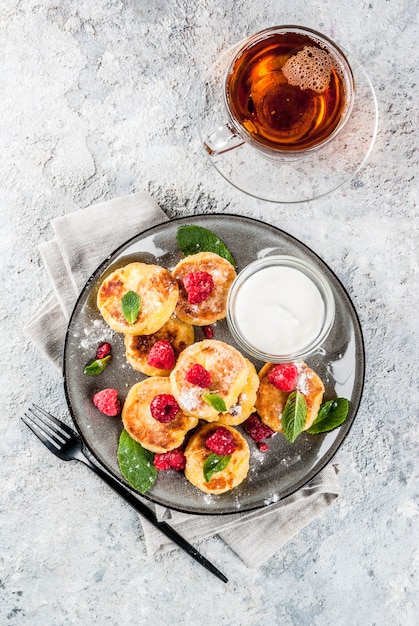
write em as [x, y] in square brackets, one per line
[310, 68]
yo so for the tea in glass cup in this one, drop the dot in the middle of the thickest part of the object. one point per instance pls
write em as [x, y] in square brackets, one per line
[288, 90]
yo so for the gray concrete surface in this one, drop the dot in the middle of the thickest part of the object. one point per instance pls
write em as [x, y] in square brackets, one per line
[98, 99]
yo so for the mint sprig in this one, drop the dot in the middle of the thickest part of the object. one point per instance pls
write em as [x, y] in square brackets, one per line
[192, 239]
[131, 305]
[214, 400]
[294, 415]
[136, 463]
[97, 367]
[215, 463]
[331, 415]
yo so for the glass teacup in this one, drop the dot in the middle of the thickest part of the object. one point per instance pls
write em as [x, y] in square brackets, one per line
[288, 90]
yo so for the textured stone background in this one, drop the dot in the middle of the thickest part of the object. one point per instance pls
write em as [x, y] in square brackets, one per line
[98, 99]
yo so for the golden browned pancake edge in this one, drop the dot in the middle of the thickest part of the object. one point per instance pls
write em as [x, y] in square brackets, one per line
[245, 405]
[158, 291]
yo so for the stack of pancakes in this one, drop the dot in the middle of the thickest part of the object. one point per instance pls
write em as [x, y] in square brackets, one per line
[167, 314]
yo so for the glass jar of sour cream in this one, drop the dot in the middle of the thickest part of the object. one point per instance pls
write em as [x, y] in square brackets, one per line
[280, 308]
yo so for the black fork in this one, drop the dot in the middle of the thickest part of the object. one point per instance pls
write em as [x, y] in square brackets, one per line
[66, 443]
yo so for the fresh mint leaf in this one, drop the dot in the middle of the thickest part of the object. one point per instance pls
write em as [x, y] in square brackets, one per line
[215, 401]
[97, 367]
[192, 239]
[131, 305]
[215, 463]
[136, 463]
[331, 415]
[294, 415]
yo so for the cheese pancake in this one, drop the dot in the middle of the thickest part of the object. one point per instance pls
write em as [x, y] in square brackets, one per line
[270, 401]
[228, 371]
[213, 308]
[179, 334]
[196, 453]
[141, 425]
[245, 405]
[158, 292]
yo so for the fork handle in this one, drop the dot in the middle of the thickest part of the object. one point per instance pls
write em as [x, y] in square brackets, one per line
[146, 512]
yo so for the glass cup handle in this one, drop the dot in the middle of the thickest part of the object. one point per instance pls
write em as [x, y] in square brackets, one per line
[223, 139]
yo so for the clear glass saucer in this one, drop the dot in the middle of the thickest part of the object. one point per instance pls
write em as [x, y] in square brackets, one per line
[291, 180]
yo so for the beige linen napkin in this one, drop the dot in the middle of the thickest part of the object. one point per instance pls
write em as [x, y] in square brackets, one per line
[82, 240]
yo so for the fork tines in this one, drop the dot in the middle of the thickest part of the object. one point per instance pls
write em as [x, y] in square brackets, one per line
[46, 427]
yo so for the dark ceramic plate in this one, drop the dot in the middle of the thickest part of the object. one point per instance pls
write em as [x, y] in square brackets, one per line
[274, 474]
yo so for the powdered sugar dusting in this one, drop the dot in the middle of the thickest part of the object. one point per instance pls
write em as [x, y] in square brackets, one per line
[304, 376]
[190, 398]
[236, 409]
[275, 497]
[95, 333]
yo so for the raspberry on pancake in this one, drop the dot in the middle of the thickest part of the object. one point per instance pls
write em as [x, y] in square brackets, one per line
[197, 452]
[140, 424]
[213, 306]
[137, 347]
[270, 401]
[228, 371]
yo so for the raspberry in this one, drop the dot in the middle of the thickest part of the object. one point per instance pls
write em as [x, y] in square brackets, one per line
[198, 375]
[103, 350]
[221, 441]
[198, 286]
[208, 332]
[174, 459]
[164, 408]
[263, 447]
[161, 355]
[107, 402]
[284, 376]
[256, 429]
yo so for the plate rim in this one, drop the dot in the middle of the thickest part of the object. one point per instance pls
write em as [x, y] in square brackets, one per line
[326, 458]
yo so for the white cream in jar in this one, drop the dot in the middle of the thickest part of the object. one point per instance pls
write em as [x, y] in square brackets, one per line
[277, 309]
